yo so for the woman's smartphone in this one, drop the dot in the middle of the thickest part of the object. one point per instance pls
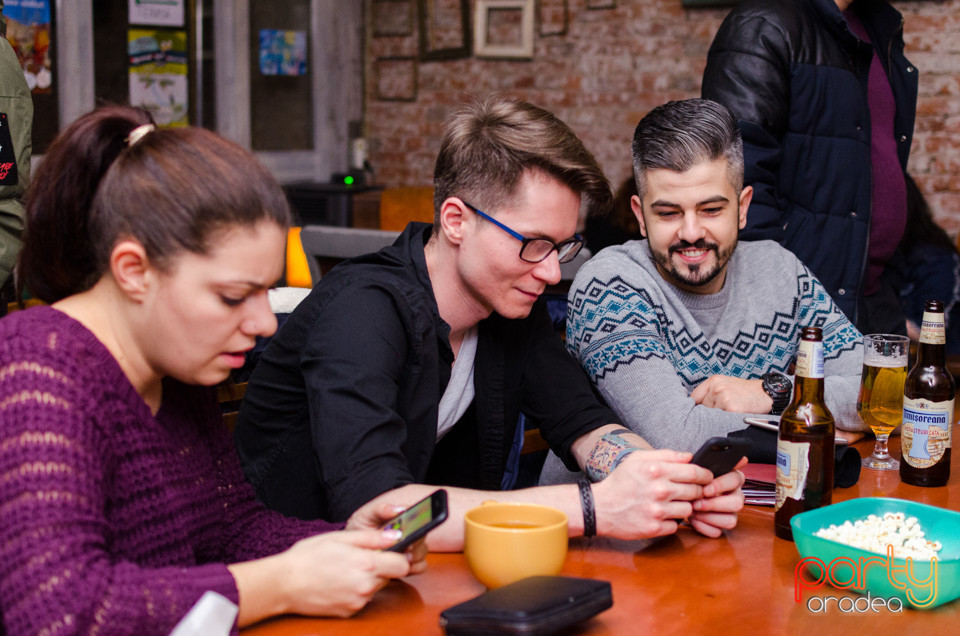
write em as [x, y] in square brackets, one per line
[419, 519]
[720, 454]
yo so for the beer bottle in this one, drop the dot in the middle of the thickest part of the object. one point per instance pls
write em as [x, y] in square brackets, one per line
[805, 441]
[928, 407]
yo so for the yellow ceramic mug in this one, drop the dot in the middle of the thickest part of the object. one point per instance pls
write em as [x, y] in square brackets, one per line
[506, 542]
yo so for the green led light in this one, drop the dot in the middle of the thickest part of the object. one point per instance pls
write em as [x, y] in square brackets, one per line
[348, 180]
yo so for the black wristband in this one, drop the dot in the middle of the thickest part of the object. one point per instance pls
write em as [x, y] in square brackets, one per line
[589, 513]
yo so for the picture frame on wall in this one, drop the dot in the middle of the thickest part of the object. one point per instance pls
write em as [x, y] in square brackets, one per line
[503, 29]
[396, 79]
[553, 16]
[392, 18]
[444, 29]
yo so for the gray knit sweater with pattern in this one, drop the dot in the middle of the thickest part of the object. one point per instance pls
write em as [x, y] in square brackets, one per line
[647, 344]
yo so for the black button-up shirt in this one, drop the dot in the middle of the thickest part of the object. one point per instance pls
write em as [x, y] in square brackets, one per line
[343, 404]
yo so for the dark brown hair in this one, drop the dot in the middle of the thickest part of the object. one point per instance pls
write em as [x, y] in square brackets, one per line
[171, 191]
[487, 146]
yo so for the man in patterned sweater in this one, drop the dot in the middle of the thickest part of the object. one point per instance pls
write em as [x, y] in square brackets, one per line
[686, 332]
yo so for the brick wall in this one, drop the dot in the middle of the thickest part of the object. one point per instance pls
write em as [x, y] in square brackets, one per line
[608, 69]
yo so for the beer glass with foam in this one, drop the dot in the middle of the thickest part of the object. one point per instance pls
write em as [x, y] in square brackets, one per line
[880, 403]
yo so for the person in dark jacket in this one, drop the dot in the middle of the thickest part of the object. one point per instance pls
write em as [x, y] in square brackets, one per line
[411, 366]
[826, 102]
[16, 146]
[933, 269]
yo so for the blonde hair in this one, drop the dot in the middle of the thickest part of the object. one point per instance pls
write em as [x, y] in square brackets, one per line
[488, 145]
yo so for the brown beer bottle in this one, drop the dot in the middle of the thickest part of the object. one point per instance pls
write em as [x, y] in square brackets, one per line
[805, 441]
[928, 407]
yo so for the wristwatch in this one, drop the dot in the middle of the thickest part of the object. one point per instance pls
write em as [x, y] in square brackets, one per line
[779, 388]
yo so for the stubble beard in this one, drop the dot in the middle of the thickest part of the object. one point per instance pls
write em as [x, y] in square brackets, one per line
[696, 275]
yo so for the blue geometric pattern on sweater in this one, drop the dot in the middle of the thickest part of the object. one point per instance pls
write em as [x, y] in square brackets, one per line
[610, 323]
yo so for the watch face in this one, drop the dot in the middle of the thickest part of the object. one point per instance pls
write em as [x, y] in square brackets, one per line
[777, 382]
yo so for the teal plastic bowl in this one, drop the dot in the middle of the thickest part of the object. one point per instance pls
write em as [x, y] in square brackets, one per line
[938, 524]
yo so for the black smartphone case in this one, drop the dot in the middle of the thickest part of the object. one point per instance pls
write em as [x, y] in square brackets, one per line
[532, 606]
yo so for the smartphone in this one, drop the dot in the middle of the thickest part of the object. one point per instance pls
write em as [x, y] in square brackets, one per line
[774, 425]
[419, 519]
[762, 422]
[720, 454]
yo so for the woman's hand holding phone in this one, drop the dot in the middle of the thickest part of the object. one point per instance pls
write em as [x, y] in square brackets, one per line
[416, 521]
[411, 523]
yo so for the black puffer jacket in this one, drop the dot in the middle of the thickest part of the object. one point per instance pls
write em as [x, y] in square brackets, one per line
[796, 78]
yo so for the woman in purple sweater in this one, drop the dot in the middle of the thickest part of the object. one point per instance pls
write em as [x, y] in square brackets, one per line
[121, 497]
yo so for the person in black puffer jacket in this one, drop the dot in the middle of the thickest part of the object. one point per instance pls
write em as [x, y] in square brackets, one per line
[826, 102]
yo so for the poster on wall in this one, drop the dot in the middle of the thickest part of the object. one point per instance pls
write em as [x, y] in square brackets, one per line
[156, 12]
[28, 30]
[158, 73]
[283, 52]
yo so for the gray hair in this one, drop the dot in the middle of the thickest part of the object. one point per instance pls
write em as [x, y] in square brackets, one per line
[678, 135]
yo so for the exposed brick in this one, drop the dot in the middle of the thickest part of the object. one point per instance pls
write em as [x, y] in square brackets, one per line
[612, 66]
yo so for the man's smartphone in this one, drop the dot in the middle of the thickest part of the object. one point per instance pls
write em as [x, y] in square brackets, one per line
[720, 454]
[774, 426]
[419, 519]
[764, 423]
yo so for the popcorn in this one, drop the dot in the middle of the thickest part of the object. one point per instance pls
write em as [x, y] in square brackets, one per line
[874, 534]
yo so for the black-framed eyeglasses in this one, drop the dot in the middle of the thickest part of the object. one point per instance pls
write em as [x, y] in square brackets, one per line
[534, 250]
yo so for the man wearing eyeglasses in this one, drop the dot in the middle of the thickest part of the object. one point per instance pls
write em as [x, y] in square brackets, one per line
[411, 366]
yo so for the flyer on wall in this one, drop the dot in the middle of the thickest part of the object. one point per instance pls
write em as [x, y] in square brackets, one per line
[158, 74]
[28, 30]
[156, 12]
[283, 52]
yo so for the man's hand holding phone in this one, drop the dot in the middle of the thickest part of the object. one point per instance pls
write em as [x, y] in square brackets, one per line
[722, 456]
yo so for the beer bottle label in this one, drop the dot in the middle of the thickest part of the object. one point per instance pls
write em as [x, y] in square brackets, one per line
[793, 464]
[925, 435]
[933, 331]
[810, 359]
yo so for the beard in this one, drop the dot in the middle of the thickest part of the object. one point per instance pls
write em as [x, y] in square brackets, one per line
[698, 274]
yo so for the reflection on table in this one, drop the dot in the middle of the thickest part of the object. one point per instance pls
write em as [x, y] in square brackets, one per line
[739, 584]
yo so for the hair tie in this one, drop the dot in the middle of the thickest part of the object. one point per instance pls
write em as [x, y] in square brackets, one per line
[138, 133]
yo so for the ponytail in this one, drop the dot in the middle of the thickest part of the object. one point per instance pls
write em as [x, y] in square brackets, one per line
[58, 257]
[111, 175]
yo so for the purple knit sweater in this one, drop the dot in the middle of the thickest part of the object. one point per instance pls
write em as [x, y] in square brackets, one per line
[112, 520]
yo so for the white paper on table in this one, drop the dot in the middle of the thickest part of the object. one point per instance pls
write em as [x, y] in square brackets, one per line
[213, 615]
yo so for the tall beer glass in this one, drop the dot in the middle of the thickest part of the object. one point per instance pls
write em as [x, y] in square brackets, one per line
[880, 403]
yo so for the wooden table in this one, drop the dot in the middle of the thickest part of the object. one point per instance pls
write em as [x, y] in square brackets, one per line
[742, 583]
